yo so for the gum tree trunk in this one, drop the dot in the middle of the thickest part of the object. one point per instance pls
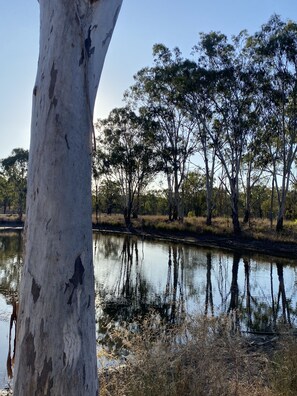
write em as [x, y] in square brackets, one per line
[56, 341]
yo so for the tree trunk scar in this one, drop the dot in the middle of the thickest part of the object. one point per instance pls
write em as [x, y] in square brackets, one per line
[35, 290]
[66, 140]
[44, 380]
[54, 73]
[77, 278]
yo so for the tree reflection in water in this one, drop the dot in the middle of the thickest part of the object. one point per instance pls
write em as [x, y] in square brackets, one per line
[231, 286]
[11, 248]
[135, 276]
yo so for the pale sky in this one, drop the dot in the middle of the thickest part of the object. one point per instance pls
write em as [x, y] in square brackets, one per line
[141, 24]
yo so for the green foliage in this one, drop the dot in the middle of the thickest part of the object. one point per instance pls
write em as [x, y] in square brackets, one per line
[13, 184]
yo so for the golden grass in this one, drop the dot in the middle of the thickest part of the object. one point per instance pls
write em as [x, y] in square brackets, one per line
[257, 228]
[198, 358]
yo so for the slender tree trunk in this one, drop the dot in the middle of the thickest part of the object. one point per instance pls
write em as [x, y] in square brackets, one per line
[272, 203]
[281, 214]
[209, 174]
[176, 197]
[56, 342]
[247, 212]
[170, 197]
[234, 207]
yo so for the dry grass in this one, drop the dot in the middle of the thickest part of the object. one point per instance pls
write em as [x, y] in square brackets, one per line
[10, 218]
[257, 228]
[200, 358]
[284, 369]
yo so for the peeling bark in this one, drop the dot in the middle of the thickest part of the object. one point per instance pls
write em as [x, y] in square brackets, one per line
[56, 341]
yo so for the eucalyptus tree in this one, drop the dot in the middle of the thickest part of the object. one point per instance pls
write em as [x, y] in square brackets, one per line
[231, 95]
[6, 193]
[15, 169]
[56, 341]
[252, 172]
[275, 55]
[197, 101]
[126, 152]
[159, 93]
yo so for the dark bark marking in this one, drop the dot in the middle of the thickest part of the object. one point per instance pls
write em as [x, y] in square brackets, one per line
[30, 350]
[42, 332]
[77, 278]
[88, 42]
[35, 90]
[93, 1]
[89, 302]
[64, 359]
[44, 380]
[109, 34]
[84, 374]
[54, 73]
[35, 290]
[47, 224]
[82, 57]
[55, 101]
[66, 140]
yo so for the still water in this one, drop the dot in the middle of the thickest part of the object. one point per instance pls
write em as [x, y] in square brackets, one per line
[134, 276]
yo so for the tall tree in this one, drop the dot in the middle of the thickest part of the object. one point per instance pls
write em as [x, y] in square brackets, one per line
[159, 92]
[231, 94]
[126, 149]
[56, 341]
[275, 54]
[197, 97]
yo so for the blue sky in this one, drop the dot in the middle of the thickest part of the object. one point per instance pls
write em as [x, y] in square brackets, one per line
[141, 24]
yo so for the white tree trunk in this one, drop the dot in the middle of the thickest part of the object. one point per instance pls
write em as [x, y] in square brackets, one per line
[56, 343]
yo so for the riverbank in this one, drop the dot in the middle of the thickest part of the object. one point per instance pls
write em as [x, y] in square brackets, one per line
[229, 243]
[256, 237]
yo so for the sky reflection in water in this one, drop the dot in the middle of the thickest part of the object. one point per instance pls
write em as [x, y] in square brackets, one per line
[134, 276]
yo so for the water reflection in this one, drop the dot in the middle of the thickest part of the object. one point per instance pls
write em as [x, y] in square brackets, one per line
[134, 276]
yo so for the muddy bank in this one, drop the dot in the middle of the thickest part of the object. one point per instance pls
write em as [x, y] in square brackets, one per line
[230, 243]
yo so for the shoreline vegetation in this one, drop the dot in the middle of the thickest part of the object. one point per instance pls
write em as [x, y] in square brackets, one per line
[257, 236]
[199, 355]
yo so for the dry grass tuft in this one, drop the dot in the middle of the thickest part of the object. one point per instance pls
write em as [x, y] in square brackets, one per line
[284, 369]
[199, 358]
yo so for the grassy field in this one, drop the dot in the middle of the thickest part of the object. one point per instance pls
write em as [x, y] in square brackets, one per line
[259, 229]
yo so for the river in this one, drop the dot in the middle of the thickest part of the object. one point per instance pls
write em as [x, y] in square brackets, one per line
[134, 276]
